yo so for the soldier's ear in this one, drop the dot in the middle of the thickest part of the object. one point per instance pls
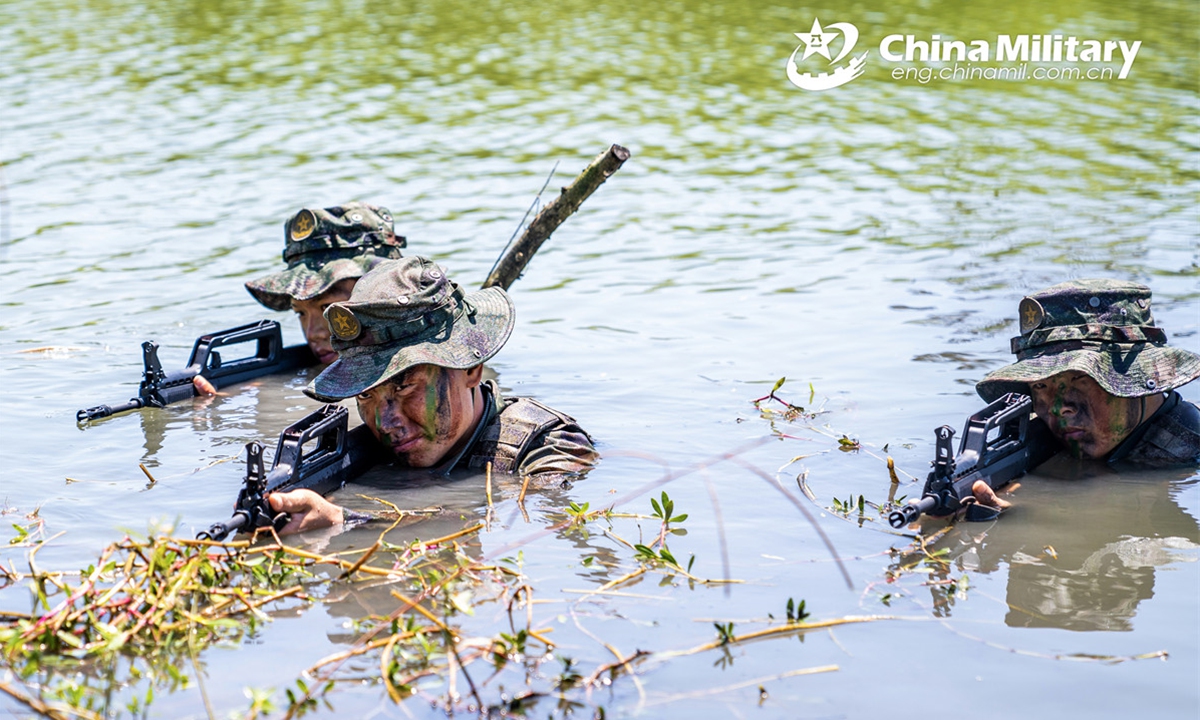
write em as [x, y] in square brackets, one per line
[474, 376]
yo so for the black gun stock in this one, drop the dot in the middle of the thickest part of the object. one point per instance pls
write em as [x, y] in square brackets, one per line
[317, 453]
[999, 444]
[159, 388]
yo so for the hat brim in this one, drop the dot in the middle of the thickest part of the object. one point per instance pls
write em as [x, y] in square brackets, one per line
[473, 338]
[302, 282]
[1134, 370]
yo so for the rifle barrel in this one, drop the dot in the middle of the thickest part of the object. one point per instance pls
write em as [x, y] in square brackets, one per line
[910, 512]
[103, 411]
[221, 530]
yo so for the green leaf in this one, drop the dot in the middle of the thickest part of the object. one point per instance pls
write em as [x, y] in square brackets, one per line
[679, 518]
[779, 383]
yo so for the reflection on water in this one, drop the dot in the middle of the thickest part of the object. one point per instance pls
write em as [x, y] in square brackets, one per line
[1082, 553]
[873, 241]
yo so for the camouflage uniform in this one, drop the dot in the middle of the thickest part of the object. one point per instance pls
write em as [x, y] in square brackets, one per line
[1171, 436]
[1104, 328]
[406, 313]
[521, 436]
[323, 246]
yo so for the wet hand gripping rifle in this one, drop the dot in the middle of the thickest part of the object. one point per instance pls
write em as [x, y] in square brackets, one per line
[159, 388]
[999, 444]
[317, 453]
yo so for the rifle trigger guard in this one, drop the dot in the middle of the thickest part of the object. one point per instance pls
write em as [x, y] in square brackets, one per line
[280, 521]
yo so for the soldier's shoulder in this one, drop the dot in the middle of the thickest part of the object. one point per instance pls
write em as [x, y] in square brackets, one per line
[1173, 438]
[523, 410]
[522, 426]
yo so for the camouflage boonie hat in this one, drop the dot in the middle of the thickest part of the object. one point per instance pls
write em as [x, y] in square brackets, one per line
[407, 312]
[1099, 327]
[323, 246]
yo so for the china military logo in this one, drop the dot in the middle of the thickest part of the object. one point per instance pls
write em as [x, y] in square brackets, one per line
[343, 323]
[1031, 315]
[818, 42]
[303, 225]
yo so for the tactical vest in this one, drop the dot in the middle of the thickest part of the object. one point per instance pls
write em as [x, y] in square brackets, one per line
[510, 436]
[1172, 439]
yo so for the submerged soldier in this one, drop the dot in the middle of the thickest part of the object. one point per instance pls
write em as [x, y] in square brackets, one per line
[326, 251]
[1101, 376]
[411, 346]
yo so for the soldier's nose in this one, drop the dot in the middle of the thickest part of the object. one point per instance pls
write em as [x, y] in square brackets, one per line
[390, 420]
[317, 328]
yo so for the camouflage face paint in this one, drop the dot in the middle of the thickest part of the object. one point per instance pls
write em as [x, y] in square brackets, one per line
[1082, 415]
[434, 391]
[421, 415]
[449, 415]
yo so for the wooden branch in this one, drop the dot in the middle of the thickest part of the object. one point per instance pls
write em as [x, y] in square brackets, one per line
[512, 264]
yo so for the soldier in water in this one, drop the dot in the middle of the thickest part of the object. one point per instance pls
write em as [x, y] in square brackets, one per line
[326, 250]
[1101, 376]
[411, 346]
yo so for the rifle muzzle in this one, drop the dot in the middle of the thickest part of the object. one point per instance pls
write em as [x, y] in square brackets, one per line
[910, 512]
[217, 532]
[103, 411]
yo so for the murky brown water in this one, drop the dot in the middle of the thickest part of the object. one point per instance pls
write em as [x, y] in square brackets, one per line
[872, 240]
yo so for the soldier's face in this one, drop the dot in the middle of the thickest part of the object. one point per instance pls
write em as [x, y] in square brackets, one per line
[425, 413]
[312, 318]
[1084, 416]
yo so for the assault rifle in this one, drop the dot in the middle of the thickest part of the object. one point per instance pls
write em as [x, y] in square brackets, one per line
[999, 444]
[159, 388]
[317, 453]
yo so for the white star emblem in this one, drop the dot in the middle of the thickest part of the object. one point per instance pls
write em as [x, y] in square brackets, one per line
[816, 41]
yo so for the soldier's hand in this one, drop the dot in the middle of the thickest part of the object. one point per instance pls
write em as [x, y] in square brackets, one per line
[203, 386]
[309, 511]
[985, 495]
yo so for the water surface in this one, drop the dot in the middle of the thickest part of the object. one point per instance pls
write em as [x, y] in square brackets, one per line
[872, 241]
